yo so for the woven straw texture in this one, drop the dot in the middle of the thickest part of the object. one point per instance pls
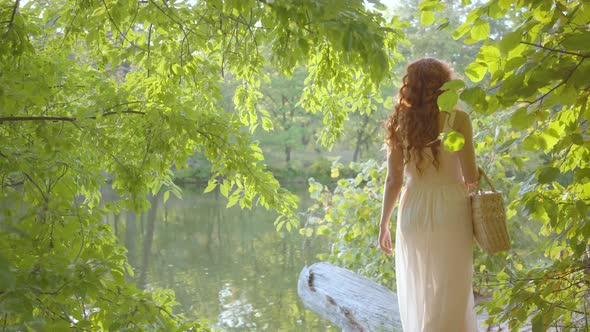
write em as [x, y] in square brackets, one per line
[489, 221]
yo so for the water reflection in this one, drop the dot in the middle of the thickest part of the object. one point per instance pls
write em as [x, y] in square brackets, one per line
[228, 266]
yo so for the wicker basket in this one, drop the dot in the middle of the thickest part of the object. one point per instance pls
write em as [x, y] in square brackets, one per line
[489, 218]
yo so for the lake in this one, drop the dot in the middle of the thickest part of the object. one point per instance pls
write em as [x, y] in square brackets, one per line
[228, 267]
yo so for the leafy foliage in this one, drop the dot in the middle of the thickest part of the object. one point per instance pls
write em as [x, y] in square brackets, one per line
[531, 122]
[113, 93]
[346, 217]
[538, 88]
[295, 129]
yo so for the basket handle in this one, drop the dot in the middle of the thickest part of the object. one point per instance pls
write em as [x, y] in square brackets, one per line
[485, 176]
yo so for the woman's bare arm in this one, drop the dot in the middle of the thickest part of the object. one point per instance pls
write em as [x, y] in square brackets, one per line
[467, 154]
[393, 183]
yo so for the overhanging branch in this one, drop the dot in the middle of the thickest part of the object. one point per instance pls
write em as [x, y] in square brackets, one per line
[37, 118]
[14, 10]
[555, 50]
[60, 118]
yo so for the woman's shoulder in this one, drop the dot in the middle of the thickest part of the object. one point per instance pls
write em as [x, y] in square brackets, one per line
[462, 122]
[461, 114]
[461, 118]
[453, 120]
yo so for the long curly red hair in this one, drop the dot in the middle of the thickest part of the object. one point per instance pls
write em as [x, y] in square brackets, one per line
[413, 125]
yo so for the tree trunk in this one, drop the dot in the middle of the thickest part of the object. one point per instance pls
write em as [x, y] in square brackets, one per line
[352, 302]
[304, 137]
[359, 138]
[152, 215]
[116, 224]
[142, 217]
[357, 149]
[130, 234]
[288, 154]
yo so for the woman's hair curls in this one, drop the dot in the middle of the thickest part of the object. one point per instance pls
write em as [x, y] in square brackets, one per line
[413, 125]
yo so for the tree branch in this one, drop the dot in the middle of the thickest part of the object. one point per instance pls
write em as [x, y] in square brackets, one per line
[569, 75]
[106, 8]
[38, 187]
[37, 118]
[147, 149]
[555, 50]
[106, 110]
[60, 118]
[115, 112]
[14, 10]
[149, 42]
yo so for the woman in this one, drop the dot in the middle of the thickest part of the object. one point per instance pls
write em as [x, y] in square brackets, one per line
[433, 245]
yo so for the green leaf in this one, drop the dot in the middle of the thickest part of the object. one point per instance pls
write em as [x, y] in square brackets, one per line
[551, 136]
[267, 124]
[504, 4]
[502, 276]
[323, 230]
[444, 25]
[567, 95]
[490, 55]
[582, 175]
[427, 18]
[447, 100]
[538, 324]
[582, 208]
[461, 30]
[430, 5]
[531, 143]
[543, 13]
[475, 96]
[224, 188]
[582, 16]
[480, 30]
[378, 5]
[548, 174]
[233, 199]
[506, 145]
[476, 71]
[453, 85]
[453, 141]
[509, 42]
[514, 63]
[577, 41]
[496, 11]
[211, 185]
[7, 278]
[521, 119]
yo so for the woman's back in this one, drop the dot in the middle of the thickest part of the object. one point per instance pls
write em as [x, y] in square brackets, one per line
[434, 238]
[434, 245]
[447, 169]
[452, 166]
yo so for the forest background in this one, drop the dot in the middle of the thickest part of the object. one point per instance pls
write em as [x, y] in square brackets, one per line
[255, 96]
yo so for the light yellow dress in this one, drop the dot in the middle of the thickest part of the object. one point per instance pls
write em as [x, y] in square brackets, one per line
[433, 247]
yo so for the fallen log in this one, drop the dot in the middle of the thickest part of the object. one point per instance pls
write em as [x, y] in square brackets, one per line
[351, 301]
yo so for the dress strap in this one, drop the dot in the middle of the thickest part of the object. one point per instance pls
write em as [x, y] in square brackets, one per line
[450, 121]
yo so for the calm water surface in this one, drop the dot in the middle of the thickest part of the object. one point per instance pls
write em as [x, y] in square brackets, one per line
[227, 266]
